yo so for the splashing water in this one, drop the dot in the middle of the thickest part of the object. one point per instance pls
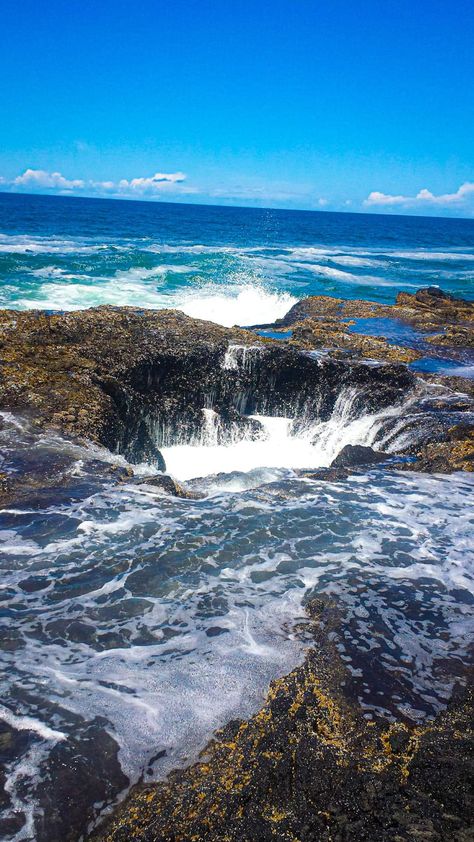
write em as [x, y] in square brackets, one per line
[284, 442]
[162, 619]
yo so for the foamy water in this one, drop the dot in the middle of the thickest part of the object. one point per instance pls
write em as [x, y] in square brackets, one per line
[166, 618]
[281, 446]
[163, 618]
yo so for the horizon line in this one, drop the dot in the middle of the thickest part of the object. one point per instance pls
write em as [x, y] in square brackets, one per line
[235, 207]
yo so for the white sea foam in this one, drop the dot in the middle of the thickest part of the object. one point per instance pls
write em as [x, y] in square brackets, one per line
[30, 723]
[330, 272]
[242, 301]
[420, 254]
[138, 273]
[278, 450]
[352, 260]
[162, 573]
[310, 252]
[24, 244]
[227, 284]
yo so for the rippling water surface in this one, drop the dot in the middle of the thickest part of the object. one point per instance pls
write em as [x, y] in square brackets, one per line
[132, 623]
[231, 265]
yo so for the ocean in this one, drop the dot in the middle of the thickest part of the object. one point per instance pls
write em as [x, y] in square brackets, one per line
[134, 624]
[231, 265]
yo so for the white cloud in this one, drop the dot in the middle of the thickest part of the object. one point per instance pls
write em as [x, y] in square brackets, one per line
[157, 183]
[40, 180]
[423, 198]
[47, 180]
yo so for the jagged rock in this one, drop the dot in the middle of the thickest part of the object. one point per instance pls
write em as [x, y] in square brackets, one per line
[320, 321]
[91, 373]
[136, 380]
[434, 298]
[325, 308]
[121, 473]
[452, 336]
[333, 335]
[353, 455]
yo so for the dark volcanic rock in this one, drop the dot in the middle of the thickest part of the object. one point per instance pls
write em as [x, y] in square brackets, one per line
[98, 373]
[353, 455]
[309, 767]
[326, 474]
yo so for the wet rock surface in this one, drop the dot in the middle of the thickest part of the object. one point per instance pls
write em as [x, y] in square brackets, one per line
[168, 485]
[90, 373]
[454, 453]
[309, 766]
[444, 325]
[356, 454]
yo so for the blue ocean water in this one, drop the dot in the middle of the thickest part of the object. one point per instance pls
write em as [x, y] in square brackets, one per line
[132, 623]
[231, 265]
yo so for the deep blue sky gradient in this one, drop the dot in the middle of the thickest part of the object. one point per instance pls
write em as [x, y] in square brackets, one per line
[283, 103]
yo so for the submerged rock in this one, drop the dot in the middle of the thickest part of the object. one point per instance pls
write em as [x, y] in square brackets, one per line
[73, 782]
[165, 483]
[325, 474]
[310, 767]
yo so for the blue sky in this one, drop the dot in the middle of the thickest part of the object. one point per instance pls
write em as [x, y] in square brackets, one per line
[335, 105]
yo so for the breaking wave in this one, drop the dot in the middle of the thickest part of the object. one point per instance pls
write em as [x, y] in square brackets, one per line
[245, 305]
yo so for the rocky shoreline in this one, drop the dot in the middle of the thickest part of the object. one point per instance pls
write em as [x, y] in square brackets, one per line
[308, 766]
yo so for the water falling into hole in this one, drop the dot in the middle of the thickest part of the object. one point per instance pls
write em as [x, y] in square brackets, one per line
[283, 442]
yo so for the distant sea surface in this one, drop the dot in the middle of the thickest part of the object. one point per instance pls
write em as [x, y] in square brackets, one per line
[230, 265]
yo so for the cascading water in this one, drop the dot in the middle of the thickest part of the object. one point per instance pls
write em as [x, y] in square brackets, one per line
[240, 357]
[289, 443]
